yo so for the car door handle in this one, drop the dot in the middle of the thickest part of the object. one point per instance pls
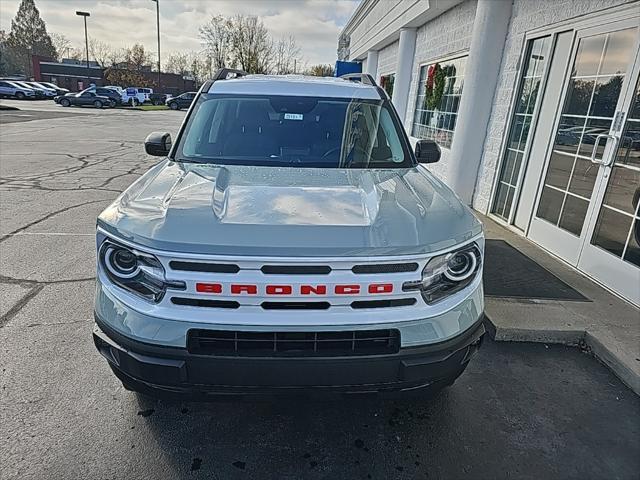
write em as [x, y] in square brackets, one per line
[595, 149]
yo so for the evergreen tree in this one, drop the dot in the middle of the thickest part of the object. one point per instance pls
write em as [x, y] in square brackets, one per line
[28, 36]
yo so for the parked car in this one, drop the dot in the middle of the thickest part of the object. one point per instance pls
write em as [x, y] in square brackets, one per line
[158, 98]
[49, 93]
[59, 90]
[84, 98]
[13, 90]
[181, 101]
[288, 242]
[40, 93]
[115, 96]
[135, 96]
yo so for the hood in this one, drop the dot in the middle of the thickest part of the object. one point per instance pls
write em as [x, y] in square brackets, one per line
[284, 211]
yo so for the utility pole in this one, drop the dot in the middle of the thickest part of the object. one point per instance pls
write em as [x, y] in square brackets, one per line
[86, 41]
[157, 2]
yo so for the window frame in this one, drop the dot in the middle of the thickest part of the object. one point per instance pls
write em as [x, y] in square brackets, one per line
[513, 104]
[426, 63]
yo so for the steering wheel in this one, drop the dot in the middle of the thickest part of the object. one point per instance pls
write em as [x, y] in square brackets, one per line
[338, 149]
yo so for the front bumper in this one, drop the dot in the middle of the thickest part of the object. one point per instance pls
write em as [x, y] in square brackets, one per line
[174, 372]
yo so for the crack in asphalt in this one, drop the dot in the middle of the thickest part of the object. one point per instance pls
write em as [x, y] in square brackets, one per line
[47, 217]
[83, 164]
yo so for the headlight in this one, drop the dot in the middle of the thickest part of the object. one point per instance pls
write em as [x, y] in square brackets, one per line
[137, 272]
[447, 274]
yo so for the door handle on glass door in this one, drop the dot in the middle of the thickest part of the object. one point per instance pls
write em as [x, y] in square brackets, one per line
[603, 162]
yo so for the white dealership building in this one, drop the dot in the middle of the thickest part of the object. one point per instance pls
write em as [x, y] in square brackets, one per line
[536, 107]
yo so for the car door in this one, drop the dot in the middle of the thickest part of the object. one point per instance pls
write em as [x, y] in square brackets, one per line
[86, 98]
[5, 89]
[185, 101]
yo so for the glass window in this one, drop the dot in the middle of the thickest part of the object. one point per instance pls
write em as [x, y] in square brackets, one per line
[518, 139]
[294, 131]
[386, 82]
[438, 98]
[596, 81]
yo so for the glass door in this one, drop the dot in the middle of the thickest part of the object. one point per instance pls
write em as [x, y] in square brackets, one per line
[586, 137]
[612, 254]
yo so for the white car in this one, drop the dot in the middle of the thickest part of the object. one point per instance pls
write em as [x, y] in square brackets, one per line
[13, 90]
[289, 241]
[135, 95]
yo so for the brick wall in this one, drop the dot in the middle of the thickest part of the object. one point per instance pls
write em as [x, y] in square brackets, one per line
[387, 60]
[443, 36]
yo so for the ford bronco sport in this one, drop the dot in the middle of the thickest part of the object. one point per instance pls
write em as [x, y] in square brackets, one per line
[289, 241]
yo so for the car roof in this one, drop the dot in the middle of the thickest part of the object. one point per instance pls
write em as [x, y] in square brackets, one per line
[295, 85]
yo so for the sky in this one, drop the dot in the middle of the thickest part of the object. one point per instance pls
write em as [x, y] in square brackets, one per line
[314, 23]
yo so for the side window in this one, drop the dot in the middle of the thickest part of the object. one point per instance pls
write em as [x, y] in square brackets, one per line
[438, 98]
[3, 84]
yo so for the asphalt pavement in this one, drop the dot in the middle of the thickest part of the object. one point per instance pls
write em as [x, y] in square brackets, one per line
[519, 411]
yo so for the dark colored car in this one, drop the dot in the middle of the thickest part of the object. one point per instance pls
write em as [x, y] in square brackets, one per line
[181, 101]
[84, 98]
[158, 98]
[114, 96]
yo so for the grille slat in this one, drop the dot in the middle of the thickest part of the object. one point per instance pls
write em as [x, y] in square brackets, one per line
[386, 303]
[385, 268]
[295, 305]
[269, 344]
[296, 269]
[201, 302]
[204, 267]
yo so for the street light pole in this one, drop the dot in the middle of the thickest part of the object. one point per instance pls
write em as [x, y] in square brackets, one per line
[158, 29]
[86, 42]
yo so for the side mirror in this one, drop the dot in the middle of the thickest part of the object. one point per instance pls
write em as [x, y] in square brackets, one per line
[158, 144]
[427, 151]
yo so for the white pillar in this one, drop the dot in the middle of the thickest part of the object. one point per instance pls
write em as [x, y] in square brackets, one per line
[404, 68]
[372, 64]
[481, 76]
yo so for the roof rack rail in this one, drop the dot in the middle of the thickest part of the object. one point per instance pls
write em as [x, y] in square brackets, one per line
[223, 73]
[365, 78]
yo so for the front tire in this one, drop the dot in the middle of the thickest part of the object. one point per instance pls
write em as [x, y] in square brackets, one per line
[20, 95]
[113, 103]
[173, 106]
[65, 102]
[97, 104]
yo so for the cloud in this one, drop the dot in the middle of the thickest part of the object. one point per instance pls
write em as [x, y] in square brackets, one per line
[314, 23]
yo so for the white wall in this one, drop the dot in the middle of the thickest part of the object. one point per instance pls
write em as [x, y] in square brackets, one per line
[387, 60]
[445, 35]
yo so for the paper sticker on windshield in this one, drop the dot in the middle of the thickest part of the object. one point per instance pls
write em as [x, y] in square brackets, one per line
[293, 116]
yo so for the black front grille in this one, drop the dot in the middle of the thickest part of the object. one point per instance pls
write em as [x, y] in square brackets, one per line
[387, 303]
[385, 268]
[293, 344]
[295, 305]
[204, 267]
[296, 269]
[204, 303]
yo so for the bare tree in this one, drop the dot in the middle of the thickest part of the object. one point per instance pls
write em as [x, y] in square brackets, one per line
[62, 45]
[252, 46]
[137, 57]
[216, 40]
[104, 54]
[286, 56]
[177, 63]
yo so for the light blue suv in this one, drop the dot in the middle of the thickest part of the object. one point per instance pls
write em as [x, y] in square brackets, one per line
[289, 241]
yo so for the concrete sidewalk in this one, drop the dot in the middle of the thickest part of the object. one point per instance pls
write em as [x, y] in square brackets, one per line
[608, 326]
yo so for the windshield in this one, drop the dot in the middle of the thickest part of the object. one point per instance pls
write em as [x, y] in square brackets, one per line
[293, 131]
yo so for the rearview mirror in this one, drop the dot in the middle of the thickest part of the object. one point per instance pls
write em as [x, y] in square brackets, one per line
[427, 151]
[158, 144]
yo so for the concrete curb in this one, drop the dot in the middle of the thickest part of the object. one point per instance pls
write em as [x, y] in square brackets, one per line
[577, 338]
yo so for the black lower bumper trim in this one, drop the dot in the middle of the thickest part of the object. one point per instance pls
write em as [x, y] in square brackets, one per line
[170, 371]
